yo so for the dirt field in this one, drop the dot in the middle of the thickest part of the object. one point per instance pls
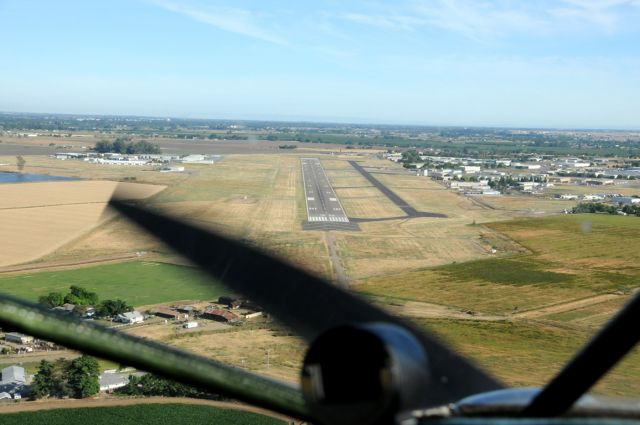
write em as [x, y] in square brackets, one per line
[37, 218]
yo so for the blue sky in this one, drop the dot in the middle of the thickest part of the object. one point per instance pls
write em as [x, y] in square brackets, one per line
[565, 63]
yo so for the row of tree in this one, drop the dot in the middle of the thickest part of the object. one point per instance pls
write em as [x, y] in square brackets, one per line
[599, 207]
[123, 145]
[82, 298]
[152, 385]
[77, 378]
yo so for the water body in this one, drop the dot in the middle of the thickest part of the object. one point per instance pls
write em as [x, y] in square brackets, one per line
[26, 178]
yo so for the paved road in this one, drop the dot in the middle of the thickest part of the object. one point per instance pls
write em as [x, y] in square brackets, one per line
[322, 202]
[401, 203]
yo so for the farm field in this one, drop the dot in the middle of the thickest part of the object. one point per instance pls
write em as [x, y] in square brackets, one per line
[138, 415]
[37, 218]
[551, 299]
[137, 282]
[572, 257]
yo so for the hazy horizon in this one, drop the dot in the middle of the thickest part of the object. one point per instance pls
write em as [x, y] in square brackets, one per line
[571, 64]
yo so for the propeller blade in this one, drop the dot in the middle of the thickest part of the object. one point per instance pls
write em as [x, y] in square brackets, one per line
[595, 359]
[307, 304]
[152, 357]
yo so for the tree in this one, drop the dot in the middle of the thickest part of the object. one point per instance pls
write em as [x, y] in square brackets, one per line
[54, 299]
[84, 374]
[43, 381]
[80, 296]
[113, 308]
[104, 146]
[20, 162]
[151, 385]
[120, 146]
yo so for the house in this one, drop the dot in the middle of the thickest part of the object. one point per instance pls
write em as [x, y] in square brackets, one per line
[110, 379]
[65, 308]
[130, 317]
[168, 314]
[219, 315]
[19, 338]
[13, 380]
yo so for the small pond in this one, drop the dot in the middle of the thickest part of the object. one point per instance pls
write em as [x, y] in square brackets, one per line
[27, 177]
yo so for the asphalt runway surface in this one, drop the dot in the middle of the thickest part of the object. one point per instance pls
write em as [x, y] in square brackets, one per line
[401, 203]
[324, 211]
[322, 201]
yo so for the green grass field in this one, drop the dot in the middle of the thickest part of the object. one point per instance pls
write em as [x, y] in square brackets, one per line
[157, 414]
[138, 283]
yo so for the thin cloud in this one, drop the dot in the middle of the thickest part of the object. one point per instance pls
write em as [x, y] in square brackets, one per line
[495, 19]
[237, 21]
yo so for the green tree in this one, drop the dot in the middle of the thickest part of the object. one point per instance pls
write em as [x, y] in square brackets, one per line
[43, 381]
[83, 374]
[103, 146]
[80, 296]
[113, 308]
[54, 299]
[151, 385]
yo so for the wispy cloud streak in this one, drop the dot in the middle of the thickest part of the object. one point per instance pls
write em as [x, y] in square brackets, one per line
[234, 20]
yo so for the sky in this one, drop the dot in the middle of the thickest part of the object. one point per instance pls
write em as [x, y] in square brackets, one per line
[534, 63]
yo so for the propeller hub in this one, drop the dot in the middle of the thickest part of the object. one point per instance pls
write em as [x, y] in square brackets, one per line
[364, 374]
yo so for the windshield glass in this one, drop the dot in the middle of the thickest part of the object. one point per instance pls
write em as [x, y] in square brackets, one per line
[470, 167]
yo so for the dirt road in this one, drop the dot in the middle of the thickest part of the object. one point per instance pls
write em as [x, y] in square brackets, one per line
[567, 306]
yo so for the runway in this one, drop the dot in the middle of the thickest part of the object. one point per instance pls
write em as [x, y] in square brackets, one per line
[393, 197]
[323, 205]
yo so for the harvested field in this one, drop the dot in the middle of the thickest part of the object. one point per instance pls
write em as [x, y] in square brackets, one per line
[37, 218]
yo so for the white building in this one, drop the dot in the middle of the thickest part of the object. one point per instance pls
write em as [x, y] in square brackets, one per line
[130, 317]
[471, 168]
[521, 166]
[625, 200]
[13, 380]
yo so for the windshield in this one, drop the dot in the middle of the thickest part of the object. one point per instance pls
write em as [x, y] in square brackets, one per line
[470, 167]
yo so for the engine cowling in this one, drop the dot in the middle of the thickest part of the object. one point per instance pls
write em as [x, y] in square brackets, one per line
[364, 374]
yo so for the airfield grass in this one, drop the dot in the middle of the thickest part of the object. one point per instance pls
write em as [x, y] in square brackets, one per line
[138, 415]
[528, 354]
[137, 282]
[571, 257]
[260, 199]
